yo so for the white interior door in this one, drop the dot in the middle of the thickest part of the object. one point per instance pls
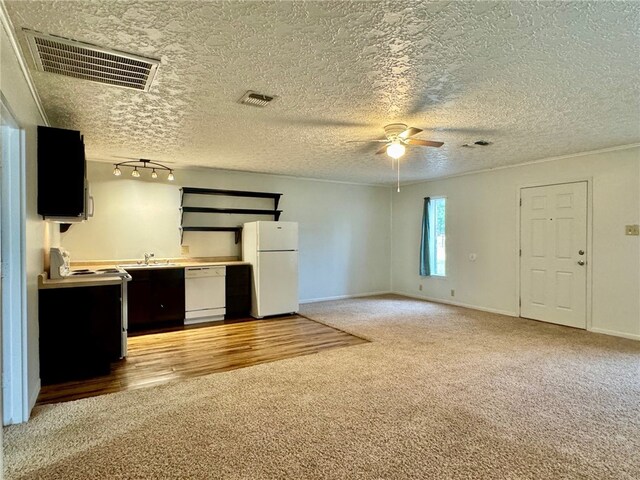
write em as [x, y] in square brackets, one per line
[553, 256]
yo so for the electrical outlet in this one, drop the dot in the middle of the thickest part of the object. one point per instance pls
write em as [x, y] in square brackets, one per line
[420, 287]
[453, 292]
[184, 249]
[632, 230]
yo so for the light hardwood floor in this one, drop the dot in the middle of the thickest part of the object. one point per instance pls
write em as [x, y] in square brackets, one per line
[161, 357]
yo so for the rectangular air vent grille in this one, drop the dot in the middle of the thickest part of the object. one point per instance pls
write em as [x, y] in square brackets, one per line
[89, 62]
[256, 99]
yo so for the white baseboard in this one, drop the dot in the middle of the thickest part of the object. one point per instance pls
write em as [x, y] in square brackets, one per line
[342, 297]
[458, 304]
[614, 333]
[603, 331]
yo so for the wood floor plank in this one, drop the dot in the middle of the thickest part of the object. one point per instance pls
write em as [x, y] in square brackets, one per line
[162, 357]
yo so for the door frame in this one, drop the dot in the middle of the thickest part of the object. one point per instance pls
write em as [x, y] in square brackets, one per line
[15, 408]
[589, 256]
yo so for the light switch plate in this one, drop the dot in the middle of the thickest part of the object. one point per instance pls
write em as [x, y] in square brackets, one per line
[184, 249]
[632, 229]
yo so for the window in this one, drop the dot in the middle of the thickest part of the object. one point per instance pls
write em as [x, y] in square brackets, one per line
[433, 242]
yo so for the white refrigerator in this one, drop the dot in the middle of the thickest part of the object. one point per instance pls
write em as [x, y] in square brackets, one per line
[272, 250]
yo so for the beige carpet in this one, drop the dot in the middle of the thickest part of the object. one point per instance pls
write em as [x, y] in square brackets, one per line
[440, 393]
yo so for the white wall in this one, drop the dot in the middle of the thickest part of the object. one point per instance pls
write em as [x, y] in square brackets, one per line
[482, 219]
[15, 89]
[344, 228]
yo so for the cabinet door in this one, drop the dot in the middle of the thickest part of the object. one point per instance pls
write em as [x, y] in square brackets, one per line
[139, 302]
[167, 296]
[80, 332]
[238, 291]
[61, 173]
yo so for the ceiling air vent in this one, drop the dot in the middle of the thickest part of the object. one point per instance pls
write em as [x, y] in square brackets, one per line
[256, 99]
[90, 62]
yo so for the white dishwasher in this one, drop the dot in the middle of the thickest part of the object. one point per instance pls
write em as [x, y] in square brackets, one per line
[204, 294]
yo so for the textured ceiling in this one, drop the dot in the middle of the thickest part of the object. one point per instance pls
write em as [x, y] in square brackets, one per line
[538, 79]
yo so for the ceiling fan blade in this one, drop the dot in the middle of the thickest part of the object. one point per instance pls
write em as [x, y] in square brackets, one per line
[368, 141]
[424, 143]
[382, 150]
[409, 132]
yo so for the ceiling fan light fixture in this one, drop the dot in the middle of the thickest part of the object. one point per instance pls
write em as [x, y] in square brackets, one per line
[395, 150]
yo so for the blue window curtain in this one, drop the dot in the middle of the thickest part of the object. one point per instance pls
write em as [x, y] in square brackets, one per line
[425, 257]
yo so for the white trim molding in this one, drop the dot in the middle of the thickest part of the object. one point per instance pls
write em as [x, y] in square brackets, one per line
[614, 333]
[531, 162]
[458, 304]
[6, 23]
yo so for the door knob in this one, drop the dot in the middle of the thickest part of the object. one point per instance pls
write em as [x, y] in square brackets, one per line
[580, 262]
[580, 252]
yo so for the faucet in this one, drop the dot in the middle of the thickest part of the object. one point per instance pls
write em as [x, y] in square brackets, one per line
[148, 256]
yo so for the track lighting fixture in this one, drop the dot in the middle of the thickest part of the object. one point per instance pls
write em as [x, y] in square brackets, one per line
[142, 164]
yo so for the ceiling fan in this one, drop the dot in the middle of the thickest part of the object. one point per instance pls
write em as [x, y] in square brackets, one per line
[398, 138]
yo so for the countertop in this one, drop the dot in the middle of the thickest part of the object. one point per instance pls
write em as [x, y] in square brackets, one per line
[45, 282]
[134, 264]
[159, 265]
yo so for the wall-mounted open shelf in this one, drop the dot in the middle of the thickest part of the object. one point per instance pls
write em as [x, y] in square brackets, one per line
[232, 193]
[237, 211]
[275, 213]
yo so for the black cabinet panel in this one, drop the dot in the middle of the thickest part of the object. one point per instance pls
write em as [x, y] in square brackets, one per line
[80, 332]
[238, 291]
[61, 173]
[155, 298]
[139, 300]
[168, 295]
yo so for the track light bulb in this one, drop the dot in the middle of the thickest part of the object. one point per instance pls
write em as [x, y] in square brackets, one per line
[154, 175]
[135, 173]
[171, 178]
[395, 150]
[117, 172]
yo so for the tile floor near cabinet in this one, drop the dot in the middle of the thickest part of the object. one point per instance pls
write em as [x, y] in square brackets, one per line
[161, 357]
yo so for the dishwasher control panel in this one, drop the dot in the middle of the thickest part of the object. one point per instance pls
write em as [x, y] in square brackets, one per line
[195, 272]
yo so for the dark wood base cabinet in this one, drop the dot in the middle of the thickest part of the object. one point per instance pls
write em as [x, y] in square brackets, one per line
[238, 291]
[80, 332]
[155, 298]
